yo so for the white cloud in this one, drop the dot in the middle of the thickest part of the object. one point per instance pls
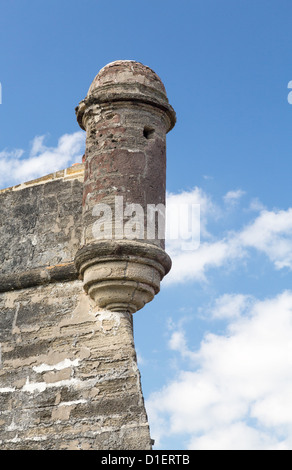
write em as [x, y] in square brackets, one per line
[192, 265]
[256, 205]
[16, 167]
[237, 436]
[232, 197]
[178, 343]
[6, 159]
[230, 306]
[237, 391]
[195, 197]
[269, 233]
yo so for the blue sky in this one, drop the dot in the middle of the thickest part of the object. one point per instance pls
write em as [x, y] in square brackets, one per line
[215, 346]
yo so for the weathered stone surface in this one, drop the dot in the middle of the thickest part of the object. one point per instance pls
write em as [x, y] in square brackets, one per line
[40, 223]
[38, 276]
[126, 115]
[68, 376]
[68, 372]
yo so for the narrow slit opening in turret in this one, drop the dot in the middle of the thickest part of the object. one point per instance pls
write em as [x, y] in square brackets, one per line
[148, 132]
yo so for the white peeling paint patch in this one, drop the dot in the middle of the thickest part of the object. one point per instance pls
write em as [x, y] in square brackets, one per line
[37, 438]
[70, 403]
[17, 439]
[7, 390]
[14, 440]
[102, 315]
[12, 426]
[61, 365]
[32, 387]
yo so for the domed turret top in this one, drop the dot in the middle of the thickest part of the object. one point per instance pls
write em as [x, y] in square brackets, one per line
[127, 72]
[127, 80]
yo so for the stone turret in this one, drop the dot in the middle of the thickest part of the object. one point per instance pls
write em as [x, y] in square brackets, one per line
[126, 115]
[72, 273]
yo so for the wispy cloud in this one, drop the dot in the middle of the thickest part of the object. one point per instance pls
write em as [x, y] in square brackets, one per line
[18, 166]
[232, 197]
[229, 306]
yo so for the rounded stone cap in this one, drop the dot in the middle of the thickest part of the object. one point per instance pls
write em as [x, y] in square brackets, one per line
[127, 80]
[127, 72]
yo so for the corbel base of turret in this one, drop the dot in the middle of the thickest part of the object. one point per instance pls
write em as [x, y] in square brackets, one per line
[122, 276]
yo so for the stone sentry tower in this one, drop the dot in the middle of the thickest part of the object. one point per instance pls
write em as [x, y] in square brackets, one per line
[81, 250]
[126, 116]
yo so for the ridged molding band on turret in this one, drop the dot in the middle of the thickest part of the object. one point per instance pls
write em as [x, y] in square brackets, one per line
[126, 116]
